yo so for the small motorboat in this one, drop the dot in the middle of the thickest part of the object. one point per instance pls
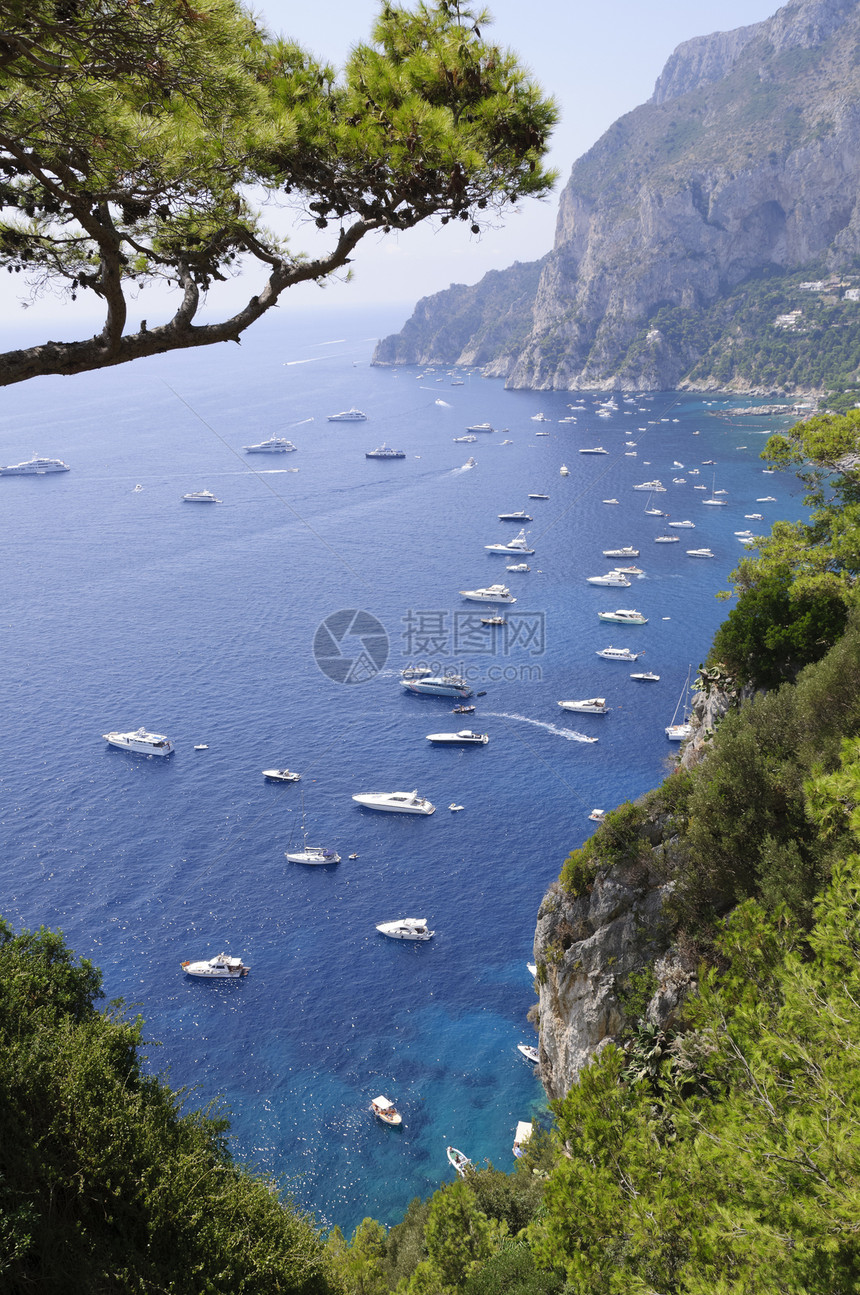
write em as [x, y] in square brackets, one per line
[458, 1160]
[627, 551]
[221, 967]
[202, 746]
[280, 775]
[700, 553]
[538, 496]
[597, 815]
[646, 676]
[531, 967]
[493, 620]
[531, 1054]
[454, 808]
[519, 566]
[406, 928]
[386, 1111]
[463, 710]
[610, 501]
[464, 737]
[521, 1137]
[564, 471]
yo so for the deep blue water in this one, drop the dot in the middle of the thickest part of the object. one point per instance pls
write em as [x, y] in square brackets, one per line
[123, 608]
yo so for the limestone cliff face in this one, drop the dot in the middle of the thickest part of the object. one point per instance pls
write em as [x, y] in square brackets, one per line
[586, 948]
[745, 161]
[597, 950]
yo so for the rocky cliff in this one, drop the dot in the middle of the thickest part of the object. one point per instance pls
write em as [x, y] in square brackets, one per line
[745, 163]
[604, 945]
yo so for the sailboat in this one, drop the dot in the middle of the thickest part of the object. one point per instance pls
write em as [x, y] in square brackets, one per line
[680, 732]
[713, 501]
[653, 512]
[310, 853]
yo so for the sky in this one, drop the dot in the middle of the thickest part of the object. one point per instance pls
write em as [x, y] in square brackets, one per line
[597, 58]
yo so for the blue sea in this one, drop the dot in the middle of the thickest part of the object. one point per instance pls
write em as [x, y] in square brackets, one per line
[125, 607]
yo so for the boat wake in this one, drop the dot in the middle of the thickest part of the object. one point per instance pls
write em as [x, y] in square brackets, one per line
[443, 403]
[569, 734]
[466, 467]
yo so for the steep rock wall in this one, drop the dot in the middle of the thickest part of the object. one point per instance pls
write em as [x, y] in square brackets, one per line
[745, 161]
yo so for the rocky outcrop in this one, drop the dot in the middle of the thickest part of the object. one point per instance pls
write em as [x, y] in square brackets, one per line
[745, 162]
[586, 948]
[604, 944]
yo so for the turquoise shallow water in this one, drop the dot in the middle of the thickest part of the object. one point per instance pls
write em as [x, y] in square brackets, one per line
[123, 608]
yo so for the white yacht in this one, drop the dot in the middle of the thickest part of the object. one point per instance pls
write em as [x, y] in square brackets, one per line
[201, 497]
[700, 553]
[531, 1054]
[596, 449]
[519, 544]
[624, 616]
[450, 685]
[481, 427]
[464, 738]
[715, 503]
[610, 501]
[348, 416]
[613, 578]
[406, 928]
[222, 967]
[683, 526]
[490, 594]
[280, 775]
[667, 539]
[534, 496]
[618, 654]
[540, 418]
[395, 802]
[564, 470]
[767, 499]
[140, 742]
[274, 445]
[646, 676]
[520, 516]
[626, 552]
[34, 467]
[519, 566]
[311, 854]
[656, 487]
[590, 706]
[464, 440]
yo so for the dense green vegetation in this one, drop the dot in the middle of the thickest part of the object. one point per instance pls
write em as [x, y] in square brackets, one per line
[736, 341]
[105, 1184]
